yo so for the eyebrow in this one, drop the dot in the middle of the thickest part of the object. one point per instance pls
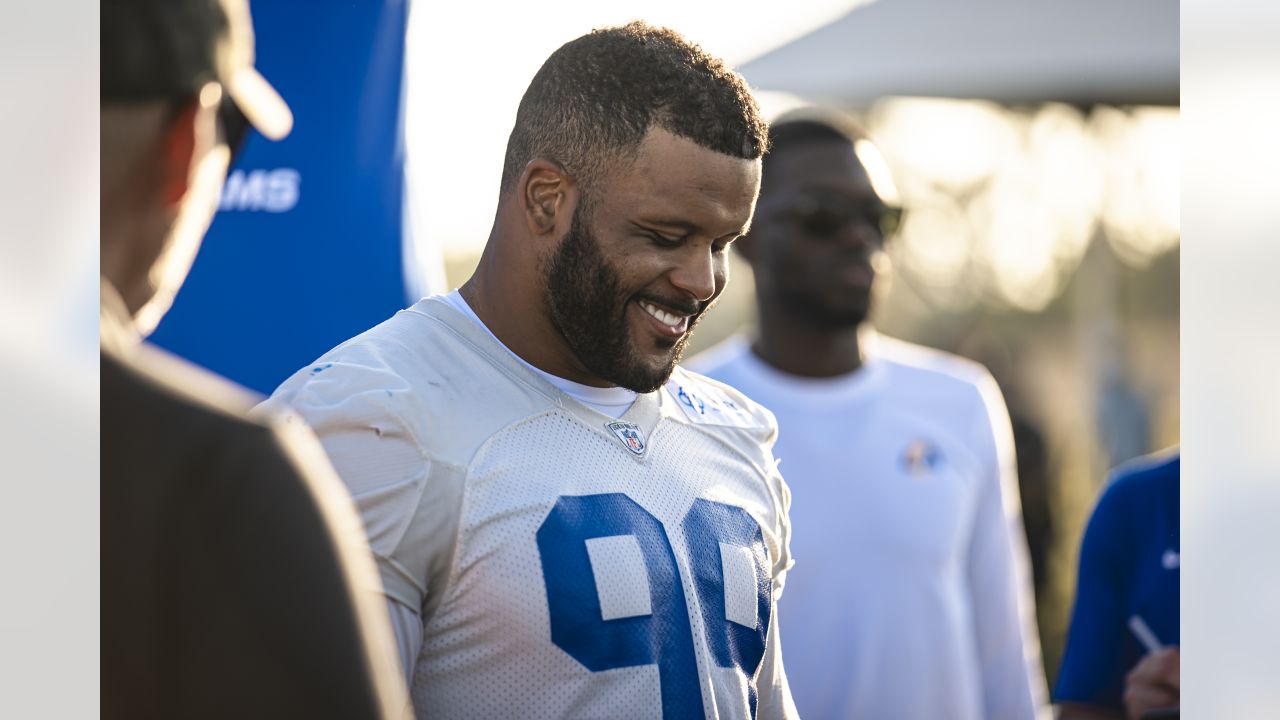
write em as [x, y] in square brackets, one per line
[687, 227]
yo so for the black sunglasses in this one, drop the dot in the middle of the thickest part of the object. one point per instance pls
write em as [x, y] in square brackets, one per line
[825, 215]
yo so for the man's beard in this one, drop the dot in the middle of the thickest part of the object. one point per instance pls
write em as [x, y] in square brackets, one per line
[589, 309]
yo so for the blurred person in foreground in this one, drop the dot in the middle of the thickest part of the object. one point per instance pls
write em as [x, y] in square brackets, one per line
[1122, 658]
[236, 581]
[912, 598]
[558, 534]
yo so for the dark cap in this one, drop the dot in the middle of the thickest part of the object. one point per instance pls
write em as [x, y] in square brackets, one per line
[162, 49]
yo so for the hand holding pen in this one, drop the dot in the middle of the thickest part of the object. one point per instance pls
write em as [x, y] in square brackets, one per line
[1154, 682]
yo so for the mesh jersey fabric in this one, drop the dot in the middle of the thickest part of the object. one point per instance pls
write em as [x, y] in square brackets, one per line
[564, 563]
[912, 596]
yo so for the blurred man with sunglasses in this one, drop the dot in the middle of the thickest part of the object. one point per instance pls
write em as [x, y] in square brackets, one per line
[235, 577]
[910, 598]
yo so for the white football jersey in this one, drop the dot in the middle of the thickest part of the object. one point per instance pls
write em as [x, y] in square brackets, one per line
[563, 563]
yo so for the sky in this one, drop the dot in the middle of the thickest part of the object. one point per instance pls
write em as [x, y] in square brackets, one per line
[1044, 174]
[469, 62]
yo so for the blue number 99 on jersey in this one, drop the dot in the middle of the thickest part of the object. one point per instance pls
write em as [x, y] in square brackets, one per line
[723, 540]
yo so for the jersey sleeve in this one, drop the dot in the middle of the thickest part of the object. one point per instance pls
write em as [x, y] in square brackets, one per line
[781, 493]
[1092, 671]
[406, 628]
[775, 700]
[406, 499]
[351, 543]
[999, 575]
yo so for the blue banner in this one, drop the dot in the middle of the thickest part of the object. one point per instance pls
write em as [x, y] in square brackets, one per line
[306, 249]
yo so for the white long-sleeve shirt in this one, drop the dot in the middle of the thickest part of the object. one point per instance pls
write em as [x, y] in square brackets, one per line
[911, 597]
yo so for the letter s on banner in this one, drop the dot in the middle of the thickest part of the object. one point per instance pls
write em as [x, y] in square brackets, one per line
[274, 191]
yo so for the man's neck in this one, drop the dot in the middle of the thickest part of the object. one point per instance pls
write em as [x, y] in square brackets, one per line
[806, 350]
[613, 400]
[512, 314]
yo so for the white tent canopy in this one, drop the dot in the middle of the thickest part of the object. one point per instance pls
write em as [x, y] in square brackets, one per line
[1009, 51]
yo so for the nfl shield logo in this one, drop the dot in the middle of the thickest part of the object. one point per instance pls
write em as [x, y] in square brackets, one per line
[629, 434]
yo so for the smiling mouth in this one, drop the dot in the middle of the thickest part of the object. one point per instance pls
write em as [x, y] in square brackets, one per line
[664, 321]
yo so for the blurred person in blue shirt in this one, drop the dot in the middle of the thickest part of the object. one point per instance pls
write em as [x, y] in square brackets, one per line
[1122, 657]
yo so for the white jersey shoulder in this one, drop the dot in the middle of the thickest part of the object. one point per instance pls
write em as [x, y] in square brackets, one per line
[428, 372]
[401, 410]
[704, 401]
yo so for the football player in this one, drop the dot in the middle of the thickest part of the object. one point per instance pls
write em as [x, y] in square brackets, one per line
[567, 524]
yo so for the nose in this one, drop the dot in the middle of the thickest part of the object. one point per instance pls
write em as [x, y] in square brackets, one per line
[862, 235]
[700, 273]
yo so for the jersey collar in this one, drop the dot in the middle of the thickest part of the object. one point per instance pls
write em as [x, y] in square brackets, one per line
[643, 415]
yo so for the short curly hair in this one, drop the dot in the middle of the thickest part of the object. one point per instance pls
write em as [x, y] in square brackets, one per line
[596, 97]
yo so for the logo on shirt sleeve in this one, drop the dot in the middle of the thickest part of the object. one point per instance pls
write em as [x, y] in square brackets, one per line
[708, 405]
[920, 458]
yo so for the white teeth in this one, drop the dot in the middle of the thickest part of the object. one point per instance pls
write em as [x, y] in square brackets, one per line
[662, 316]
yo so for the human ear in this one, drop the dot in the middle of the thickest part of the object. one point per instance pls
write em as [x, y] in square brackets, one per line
[546, 194]
[178, 150]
